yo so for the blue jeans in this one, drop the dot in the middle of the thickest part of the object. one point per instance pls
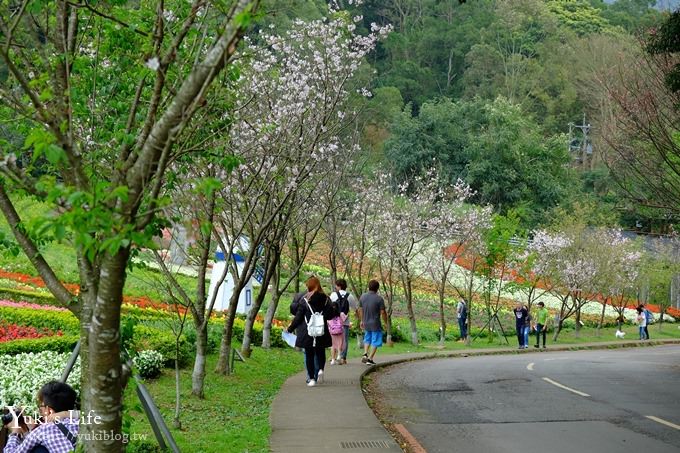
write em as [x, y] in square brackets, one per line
[643, 336]
[343, 353]
[527, 329]
[463, 328]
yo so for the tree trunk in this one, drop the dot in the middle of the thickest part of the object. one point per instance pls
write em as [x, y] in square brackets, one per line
[442, 319]
[558, 329]
[269, 319]
[255, 309]
[411, 314]
[223, 364]
[599, 325]
[87, 298]
[198, 375]
[176, 422]
[577, 331]
[105, 386]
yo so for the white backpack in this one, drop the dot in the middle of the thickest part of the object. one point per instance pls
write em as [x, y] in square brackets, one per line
[315, 324]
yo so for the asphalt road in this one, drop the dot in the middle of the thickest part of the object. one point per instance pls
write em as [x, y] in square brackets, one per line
[618, 401]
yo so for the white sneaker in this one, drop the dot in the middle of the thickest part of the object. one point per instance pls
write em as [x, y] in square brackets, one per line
[320, 376]
[333, 362]
[311, 383]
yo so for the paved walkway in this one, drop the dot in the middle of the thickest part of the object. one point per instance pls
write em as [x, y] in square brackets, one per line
[334, 416]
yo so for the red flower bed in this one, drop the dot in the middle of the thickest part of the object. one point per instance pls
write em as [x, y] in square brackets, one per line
[9, 332]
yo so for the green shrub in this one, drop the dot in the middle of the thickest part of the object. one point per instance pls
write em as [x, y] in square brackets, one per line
[28, 296]
[145, 337]
[148, 364]
[50, 319]
[63, 343]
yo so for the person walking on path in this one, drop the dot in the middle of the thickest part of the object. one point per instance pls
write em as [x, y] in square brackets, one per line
[315, 301]
[541, 324]
[335, 327]
[348, 304]
[462, 315]
[371, 309]
[521, 314]
[297, 299]
[642, 322]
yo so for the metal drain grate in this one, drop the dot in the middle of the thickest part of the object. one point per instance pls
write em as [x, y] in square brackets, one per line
[340, 381]
[365, 444]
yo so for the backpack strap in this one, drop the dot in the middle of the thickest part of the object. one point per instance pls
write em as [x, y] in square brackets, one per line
[68, 434]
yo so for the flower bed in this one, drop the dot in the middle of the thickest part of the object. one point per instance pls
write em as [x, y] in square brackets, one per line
[12, 304]
[23, 375]
[10, 332]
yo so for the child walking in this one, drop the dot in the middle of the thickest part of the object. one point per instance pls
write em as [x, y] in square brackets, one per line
[337, 331]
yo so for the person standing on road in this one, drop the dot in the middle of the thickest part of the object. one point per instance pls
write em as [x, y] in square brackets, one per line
[314, 301]
[521, 314]
[462, 315]
[642, 322]
[371, 308]
[541, 324]
[348, 304]
[649, 318]
[527, 327]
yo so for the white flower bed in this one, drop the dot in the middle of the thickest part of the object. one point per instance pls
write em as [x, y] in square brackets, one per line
[22, 375]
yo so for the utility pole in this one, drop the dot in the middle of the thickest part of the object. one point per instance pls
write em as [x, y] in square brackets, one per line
[582, 147]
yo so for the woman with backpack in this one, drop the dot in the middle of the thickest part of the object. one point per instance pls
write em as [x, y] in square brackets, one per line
[314, 310]
[337, 331]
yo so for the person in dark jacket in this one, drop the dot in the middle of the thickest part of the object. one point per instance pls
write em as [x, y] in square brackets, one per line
[319, 303]
[297, 301]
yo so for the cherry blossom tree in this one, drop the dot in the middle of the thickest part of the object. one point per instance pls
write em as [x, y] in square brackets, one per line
[470, 251]
[445, 245]
[535, 268]
[406, 218]
[620, 268]
[289, 122]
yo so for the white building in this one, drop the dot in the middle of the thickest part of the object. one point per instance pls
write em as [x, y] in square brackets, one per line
[226, 289]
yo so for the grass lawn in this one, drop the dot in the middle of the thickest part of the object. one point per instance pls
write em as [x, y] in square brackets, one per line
[234, 416]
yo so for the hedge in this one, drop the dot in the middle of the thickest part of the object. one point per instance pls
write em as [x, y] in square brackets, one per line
[50, 319]
[64, 343]
[146, 337]
[28, 296]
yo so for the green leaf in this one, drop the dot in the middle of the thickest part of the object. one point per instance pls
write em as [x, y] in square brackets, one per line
[54, 154]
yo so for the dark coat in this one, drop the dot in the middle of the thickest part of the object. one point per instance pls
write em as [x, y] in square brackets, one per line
[297, 299]
[319, 303]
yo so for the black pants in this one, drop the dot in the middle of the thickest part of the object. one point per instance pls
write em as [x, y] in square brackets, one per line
[520, 334]
[315, 352]
[540, 329]
[646, 332]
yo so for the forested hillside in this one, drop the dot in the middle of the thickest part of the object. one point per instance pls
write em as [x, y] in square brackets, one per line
[486, 90]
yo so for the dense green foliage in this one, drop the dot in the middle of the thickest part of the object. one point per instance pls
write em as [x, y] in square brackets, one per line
[488, 90]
